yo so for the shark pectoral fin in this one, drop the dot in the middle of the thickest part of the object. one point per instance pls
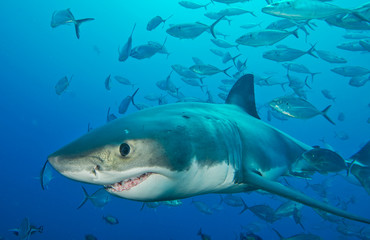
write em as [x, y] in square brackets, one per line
[242, 95]
[281, 190]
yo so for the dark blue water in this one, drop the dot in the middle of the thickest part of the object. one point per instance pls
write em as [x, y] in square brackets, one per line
[35, 121]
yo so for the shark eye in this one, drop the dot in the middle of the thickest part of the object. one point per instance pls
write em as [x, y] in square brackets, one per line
[124, 149]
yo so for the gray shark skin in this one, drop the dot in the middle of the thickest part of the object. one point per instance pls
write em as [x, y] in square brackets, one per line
[185, 149]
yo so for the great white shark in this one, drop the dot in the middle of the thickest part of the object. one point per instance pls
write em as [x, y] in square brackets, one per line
[182, 150]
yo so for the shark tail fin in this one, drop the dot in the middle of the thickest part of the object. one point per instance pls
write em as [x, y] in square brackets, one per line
[85, 199]
[78, 23]
[283, 191]
[212, 27]
[245, 207]
[324, 114]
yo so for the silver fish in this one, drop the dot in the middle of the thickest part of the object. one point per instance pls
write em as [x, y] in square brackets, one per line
[351, 71]
[99, 198]
[208, 69]
[193, 5]
[330, 57]
[125, 51]
[298, 108]
[287, 54]
[264, 37]
[155, 22]
[190, 30]
[62, 85]
[63, 17]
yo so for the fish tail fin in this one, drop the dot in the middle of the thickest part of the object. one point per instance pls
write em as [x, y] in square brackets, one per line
[132, 31]
[311, 50]
[252, 13]
[283, 191]
[42, 175]
[295, 33]
[245, 207]
[165, 40]
[85, 199]
[313, 75]
[164, 21]
[206, 5]
[362, 173]
[234, 58]
[202, 87]
[132, 97]
[277, 233]
[142, 206]
[324, 113]
[225, 71]
[78, 23]
[306, 83]
[237, 47]
[229, 21]
[212, 27]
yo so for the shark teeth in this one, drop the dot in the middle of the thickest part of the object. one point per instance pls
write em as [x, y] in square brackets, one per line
[127, 184]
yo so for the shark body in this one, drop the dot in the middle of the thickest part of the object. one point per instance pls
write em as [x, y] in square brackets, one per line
[186, 149]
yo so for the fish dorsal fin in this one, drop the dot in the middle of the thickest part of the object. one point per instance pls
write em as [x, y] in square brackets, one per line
[242, 95]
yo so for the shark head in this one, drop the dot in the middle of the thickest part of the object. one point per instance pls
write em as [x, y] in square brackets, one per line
[154, 154]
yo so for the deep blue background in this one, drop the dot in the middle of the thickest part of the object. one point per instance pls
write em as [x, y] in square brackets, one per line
[35, 121]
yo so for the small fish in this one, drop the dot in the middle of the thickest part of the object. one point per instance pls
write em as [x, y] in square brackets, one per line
[224, 44]
[264, 212]
[125, 51]
[62, 85]
[365, 44]
[107, 83]
[355, 36]
[354, 46]
[250, 25]
[298, 108]
[202, 207]
[155, 22]
[191, 30]
[146, 50]
[173, 203]
[217, 52]
[111, 220]
[25, 230]
[233, 11]
[287, 54]
[124, 81]
[328, 94]
[348, 21]
[208, 69]
[301, 236]
[230, 1]
[299, 68]
[342, 135]
[126, 103]
[264, 37]
[110, 116]
[323, 161]
[90, 237]
[193, 5]
[358, 81]
[234, 201]
[194, 82]
[99, 198]
[152, 205]
[184, 71]
[351, 71]
[330, 57]
[217, 15]
[63, 17]
[341, 117]
[203, 236]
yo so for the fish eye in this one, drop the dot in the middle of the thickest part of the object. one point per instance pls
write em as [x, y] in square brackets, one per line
[124, 149]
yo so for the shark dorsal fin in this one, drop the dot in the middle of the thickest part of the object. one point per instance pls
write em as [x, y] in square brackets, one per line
[242, 95]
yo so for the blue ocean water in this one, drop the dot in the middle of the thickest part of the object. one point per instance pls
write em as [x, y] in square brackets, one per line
[36, 121]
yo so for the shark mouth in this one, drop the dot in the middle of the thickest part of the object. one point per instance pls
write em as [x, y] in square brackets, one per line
[127, 184]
